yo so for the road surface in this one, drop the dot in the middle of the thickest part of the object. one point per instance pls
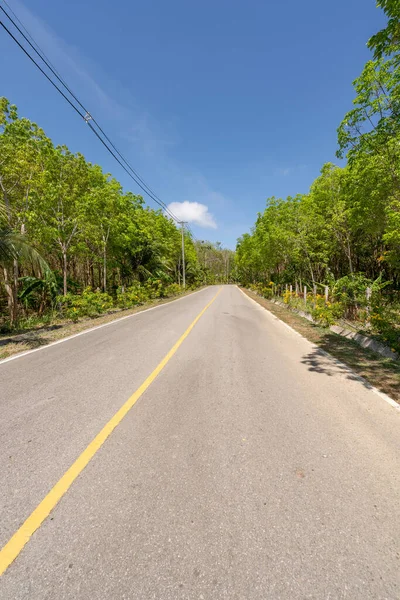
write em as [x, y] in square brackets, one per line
[252, 466]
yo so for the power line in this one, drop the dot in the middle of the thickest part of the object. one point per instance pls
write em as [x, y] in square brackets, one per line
[87, 116]
[28, 34]
[191, 233]
[40, 69]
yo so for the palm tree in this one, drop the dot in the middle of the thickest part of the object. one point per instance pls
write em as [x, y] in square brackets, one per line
[15, 247]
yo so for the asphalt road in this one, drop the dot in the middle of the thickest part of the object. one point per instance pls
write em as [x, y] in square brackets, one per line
[252, 467]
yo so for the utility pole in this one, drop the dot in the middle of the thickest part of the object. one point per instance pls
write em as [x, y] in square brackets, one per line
[182, 224]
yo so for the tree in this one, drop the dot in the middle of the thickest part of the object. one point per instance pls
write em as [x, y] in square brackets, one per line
[22, 147]
[386, 41]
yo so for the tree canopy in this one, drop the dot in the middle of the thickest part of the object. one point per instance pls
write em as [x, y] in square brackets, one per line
[349, 220]
[88, 230]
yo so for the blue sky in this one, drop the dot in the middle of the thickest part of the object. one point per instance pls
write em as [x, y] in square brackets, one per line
[221, 103]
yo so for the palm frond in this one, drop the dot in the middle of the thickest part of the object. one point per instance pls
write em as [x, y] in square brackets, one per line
[14, 246]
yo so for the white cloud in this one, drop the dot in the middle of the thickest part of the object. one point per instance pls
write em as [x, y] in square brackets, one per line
[193, 212]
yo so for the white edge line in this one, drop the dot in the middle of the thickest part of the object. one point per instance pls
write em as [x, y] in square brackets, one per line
[370, 387]
[74, 335]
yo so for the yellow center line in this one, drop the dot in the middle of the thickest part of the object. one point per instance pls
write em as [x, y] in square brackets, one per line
[21, 537]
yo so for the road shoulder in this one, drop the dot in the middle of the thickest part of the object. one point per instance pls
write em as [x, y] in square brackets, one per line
[380, 372]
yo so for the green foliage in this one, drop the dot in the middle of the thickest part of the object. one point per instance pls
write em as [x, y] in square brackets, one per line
[345, 232]
[325, 313]
[128, 298]
[173, 289]
[351, 292]
[62, 214]
[94, 303]
[386, 41]
[37, 293]
[372, 125]
[88, 304]
[384, 321]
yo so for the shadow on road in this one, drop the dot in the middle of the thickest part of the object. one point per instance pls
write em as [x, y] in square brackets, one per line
[384, 373]
[32, 339]
[318, 362]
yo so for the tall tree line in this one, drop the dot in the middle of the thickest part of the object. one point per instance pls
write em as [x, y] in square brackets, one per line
[88, 230]
[349, 222]
[65, 226]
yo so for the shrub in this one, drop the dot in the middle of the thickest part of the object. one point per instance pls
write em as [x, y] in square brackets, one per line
[88, 304]
[91, 304]
[351, 292]
[173, 289]
[288, 297]
[326, 313]
[140, 293]
[383, 318]
[130, 297]
[262, 289]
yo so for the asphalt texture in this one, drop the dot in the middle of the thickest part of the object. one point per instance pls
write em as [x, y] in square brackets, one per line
[253, 467]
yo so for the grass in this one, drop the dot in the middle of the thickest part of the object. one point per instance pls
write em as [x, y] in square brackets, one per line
[40, 335]
[380, 372]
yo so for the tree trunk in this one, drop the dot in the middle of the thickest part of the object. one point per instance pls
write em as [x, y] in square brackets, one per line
[105, 269]
[11, 297]
[15, 291]
[349, 256]
[65, 272]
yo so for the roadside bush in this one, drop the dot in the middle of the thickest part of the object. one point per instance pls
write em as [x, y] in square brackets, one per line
[256, 288]
[150, 290]
[262, 289]
[383, 319]
[325, 313]
[130, 297]
[351, 292]
[88, 304]
[153, 289]
[173, 289]
[91, 304]
[288, 297]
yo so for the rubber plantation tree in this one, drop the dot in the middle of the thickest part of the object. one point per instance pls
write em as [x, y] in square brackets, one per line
[23, 148]
[373, 125]
[98, 215]
[90, 231]
[370, 134]
[386, 42]
[58, 208]
[347, 227]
